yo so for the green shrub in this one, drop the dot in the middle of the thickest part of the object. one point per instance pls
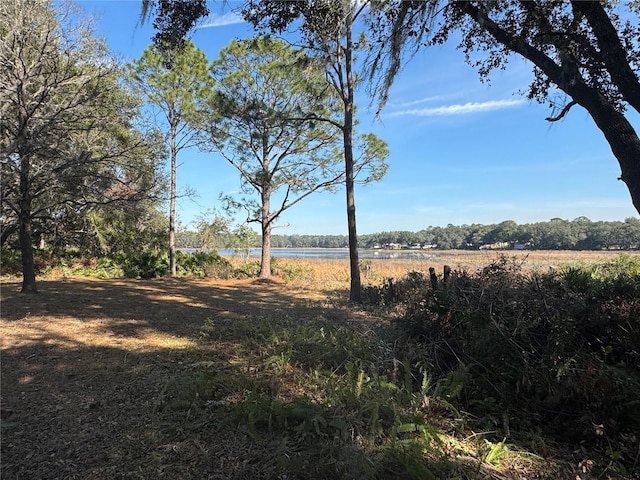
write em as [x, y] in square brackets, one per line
[562, 349]
[298, 272]
[205, 264]
[153, 264]
[108, 268]
[10, 261]
[69, 263]
[188, 264]
[620, 276]
[216, 266]
[150, 264]
[248, 269]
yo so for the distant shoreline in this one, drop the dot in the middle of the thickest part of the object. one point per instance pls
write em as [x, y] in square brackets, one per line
[532, 258]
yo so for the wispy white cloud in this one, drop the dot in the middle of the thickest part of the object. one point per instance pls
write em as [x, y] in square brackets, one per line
[460, 109]
[215, 20]
[433, 98]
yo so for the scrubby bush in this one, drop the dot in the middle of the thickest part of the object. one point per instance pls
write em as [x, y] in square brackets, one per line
[10, 262]
[206, 264]
[155, 263]
[149, 264]
[292, 271]
[558, 350]
[108, 268]
[44, 261]
[247, 269]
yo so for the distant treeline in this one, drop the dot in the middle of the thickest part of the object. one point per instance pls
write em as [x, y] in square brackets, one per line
[556, 234]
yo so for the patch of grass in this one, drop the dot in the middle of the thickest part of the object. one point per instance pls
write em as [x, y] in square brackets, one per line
[317, 399]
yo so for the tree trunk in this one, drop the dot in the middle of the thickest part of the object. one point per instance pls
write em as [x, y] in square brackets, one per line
[172, 203]
[355, 294]
[354, 264]
[26, 247]
[621, 136]
[265, 259]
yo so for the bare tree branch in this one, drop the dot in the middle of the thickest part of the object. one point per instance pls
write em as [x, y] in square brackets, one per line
[562, 113]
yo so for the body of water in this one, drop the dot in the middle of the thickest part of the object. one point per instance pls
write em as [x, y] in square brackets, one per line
[337, 254]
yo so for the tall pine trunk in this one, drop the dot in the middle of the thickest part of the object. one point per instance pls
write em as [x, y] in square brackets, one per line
[172, 203]
[355, 293]
[265, 259]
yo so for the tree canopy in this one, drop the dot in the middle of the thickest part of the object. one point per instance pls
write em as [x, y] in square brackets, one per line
[327, 31]
[175, 83]
[68, 141]
[257, 121]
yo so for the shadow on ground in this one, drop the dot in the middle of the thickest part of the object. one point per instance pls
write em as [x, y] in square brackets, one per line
[86, 363]
[108, 379]
[169, 305]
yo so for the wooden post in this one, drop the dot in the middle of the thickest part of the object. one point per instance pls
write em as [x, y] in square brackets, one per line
[434, 278]
[447, 275]
[391, 290]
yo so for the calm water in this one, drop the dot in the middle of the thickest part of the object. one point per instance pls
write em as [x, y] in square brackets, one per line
[338, 254]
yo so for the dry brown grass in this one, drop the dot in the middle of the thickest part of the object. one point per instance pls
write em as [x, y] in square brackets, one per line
[334, 274]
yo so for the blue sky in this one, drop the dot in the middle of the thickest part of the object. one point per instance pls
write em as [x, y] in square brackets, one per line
[461, 151]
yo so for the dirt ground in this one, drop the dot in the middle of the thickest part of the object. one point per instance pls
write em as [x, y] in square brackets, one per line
[85, 360]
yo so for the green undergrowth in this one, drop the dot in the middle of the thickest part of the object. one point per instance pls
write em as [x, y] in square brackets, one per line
[319, 399]
[496, 373]
[149, 264]
[489, 374]
[548, 356]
